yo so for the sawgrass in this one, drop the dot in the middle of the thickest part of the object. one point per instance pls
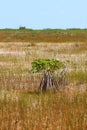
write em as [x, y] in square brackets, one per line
[59, 111]
[45, 35]
[22, 107]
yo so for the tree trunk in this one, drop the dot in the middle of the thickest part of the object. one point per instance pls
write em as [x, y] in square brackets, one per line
[51, 83]
[48, 82]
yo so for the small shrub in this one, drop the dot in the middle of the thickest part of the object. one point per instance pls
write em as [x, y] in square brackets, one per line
[48, 66]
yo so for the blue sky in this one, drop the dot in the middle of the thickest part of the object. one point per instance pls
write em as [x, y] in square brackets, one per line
[41, 14]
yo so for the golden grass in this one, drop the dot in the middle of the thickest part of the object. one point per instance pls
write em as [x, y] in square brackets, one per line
[22, 107]
[43, 35]
[64, 110]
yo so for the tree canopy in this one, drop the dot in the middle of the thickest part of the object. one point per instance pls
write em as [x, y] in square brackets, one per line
[46, 64]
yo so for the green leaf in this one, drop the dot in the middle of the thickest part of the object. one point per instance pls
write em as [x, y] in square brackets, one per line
[44, 64]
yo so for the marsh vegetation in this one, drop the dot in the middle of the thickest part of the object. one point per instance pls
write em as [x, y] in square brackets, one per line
[22, 107]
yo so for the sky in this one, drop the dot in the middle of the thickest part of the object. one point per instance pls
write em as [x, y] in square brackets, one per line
[43, 14]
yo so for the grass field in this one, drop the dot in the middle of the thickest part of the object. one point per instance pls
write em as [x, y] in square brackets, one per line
[22, 107]
[45, 35]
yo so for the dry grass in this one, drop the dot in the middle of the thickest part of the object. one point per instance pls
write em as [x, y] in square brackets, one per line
[65, 110]
[22, 107]
[55, 35]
